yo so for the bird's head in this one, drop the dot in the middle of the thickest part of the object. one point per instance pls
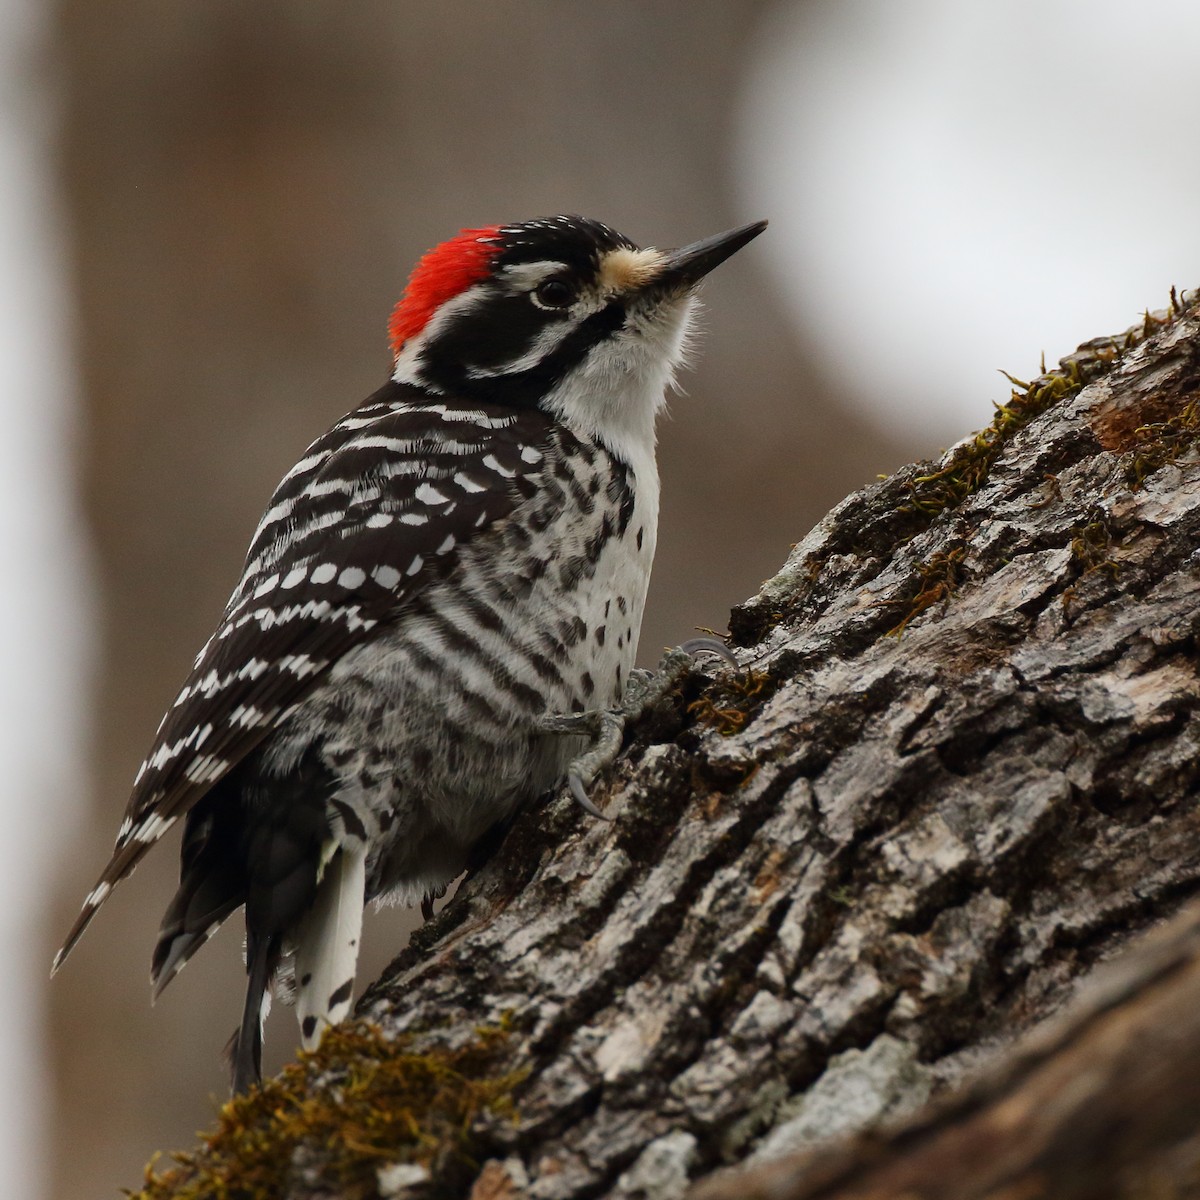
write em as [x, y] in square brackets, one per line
[563, 313]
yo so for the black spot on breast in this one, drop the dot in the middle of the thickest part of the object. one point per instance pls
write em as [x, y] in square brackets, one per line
[596, 543]
[587, 683]
[571, 571]
[573, 631]
[308, 1026]
[600, 631]
[306, 979]
[342, 994]
[621, 494]
[553, 647]
[641, 531]
[621, 604]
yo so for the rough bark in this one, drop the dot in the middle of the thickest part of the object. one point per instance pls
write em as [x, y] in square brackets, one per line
[958, 771]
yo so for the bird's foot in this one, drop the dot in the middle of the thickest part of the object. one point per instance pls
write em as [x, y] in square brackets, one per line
[606, 727]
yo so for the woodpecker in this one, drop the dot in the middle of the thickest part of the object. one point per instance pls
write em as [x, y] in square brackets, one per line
[440, 603]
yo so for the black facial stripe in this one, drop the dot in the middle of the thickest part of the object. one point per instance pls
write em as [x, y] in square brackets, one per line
[504, 328]
[521, 388]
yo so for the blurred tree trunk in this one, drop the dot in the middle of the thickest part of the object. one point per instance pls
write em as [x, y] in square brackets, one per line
[959, 771]
[246, 187]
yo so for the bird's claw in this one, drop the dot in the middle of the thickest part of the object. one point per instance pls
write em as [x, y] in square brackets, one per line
[580, 796]
[607, 726]
[711, 645]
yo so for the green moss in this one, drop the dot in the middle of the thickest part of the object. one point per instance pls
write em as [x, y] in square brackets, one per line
[1163, 442]
[937, 580]
[966, 469]
[1090, 549]
[728, 704]
[359, 1102]
[1091, 545]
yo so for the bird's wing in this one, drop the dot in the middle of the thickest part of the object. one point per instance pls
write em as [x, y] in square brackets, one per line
[374, 511]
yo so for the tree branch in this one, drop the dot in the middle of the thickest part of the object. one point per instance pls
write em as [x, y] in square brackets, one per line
[959, 770]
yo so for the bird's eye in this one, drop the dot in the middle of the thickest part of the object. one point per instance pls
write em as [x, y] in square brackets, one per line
[554, 293]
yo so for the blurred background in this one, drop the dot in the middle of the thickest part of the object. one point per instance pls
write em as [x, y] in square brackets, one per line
[206, 213]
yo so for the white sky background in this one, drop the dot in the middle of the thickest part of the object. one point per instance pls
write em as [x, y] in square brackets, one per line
[956, 184]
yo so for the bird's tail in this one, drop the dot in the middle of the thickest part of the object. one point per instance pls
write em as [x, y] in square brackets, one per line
[327, 944]
[262, 957]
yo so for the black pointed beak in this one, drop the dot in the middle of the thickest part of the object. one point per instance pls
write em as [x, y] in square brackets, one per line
[685, 267]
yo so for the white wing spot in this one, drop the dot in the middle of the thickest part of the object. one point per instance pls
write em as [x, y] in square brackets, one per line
[489, 461]
[447, 545]
[266, 586]
[152, 828]
[301, 665]
[352, 577]
[428, 494]
[414, 519]
[295, 577]
[415, 565]
[468, 485]
[247, 716]
[380, 521]
[202, 769]
[530, 454]
[324, 573]
[386, 577]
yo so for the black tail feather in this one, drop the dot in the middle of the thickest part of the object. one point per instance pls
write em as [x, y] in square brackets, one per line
[212, 883]
[262, 957]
